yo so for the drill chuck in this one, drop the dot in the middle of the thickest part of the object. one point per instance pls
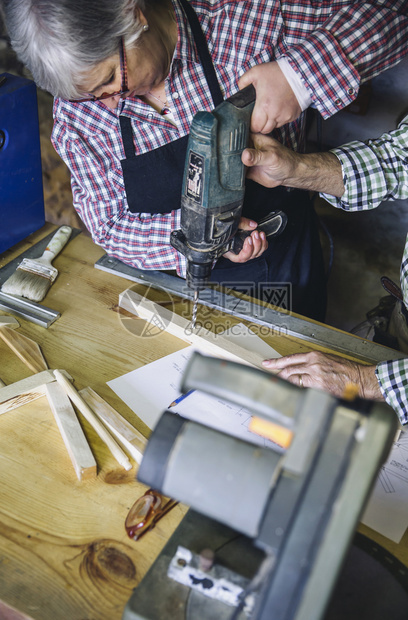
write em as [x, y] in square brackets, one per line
[198, 274]
[199, 263]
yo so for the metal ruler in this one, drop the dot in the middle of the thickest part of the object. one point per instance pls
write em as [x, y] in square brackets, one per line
[25, 308]
[249, 310]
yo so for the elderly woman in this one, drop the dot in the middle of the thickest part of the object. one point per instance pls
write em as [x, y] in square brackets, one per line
[128, 77]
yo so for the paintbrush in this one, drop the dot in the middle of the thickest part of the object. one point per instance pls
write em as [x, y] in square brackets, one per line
[34, 276]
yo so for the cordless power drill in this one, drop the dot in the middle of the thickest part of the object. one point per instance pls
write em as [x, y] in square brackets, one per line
[213, 190]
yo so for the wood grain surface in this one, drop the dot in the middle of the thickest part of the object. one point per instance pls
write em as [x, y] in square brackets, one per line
[26, 349]
[64, 552]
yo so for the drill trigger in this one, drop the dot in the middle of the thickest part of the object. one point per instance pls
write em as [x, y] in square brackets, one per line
[272, 225]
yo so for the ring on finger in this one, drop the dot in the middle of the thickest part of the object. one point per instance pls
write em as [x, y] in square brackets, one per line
[300, 381]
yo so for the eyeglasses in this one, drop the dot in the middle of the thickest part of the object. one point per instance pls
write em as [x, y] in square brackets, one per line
[124, 91]
[146, 512]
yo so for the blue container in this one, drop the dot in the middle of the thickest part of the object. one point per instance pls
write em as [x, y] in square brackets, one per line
[21, 188]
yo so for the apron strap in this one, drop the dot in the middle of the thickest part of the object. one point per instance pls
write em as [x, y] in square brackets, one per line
[203, 53]
[127, 136]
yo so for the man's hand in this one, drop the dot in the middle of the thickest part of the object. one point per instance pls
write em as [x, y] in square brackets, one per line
[276, 103]
[254, 245]
[269, 162]
[330, 373]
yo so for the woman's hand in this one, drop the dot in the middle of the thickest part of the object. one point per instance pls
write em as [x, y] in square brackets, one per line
[330, 373]
[276, 103]
[254, 245]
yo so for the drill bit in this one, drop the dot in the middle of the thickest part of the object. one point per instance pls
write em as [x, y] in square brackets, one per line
[194, 315]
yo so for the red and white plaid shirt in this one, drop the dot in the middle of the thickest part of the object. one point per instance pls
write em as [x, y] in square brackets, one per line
[332, 45]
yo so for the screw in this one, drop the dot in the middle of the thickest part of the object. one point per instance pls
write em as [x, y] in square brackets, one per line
[181, 562]
[2, 139]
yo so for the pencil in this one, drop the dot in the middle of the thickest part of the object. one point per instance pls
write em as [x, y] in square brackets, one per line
[180, 398]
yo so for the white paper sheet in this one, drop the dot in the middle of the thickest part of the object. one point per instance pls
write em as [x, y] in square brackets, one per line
[387, 509]
[149, 390]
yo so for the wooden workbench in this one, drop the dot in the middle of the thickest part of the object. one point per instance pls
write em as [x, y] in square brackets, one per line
[64, 552]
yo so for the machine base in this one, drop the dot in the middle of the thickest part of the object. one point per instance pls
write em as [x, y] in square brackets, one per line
[373, 584]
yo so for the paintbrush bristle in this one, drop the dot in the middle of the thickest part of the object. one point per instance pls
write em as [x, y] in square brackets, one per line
[25, 284]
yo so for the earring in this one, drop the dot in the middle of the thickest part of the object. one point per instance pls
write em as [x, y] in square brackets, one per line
[146, 27]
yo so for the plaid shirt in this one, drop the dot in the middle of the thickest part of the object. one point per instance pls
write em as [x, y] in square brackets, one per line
[331, 44]
[373, 172]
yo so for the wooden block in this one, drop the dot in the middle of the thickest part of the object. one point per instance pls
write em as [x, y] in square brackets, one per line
[9, 321]
[26, 349]
[131, 439]
[93, 420]
[205, 341]
[71, 431]
[24, 391]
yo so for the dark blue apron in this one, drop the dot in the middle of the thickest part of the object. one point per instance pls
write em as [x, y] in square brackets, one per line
[291, 271]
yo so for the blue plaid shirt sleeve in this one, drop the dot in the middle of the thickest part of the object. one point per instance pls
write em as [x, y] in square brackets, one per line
[373, 172]
[392, 377]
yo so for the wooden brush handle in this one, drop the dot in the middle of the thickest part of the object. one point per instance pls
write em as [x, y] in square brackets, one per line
[57, 243]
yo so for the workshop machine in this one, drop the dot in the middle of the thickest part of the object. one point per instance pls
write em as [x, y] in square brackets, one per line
[21, 186]
[214, 187]
[276, 522]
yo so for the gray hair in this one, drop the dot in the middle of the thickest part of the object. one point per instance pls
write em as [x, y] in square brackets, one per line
[60, 40]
